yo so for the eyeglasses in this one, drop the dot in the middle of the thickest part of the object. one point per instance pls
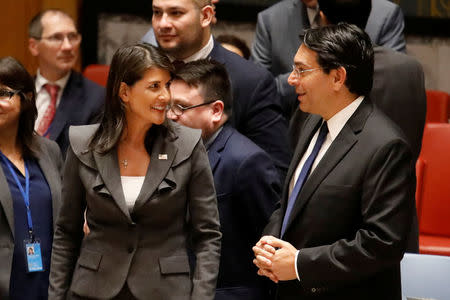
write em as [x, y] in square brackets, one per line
[57, 39]
[300, 73]
[178, 109]
[7, 94]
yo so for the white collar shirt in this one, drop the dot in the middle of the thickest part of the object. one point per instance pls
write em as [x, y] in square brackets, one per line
[42, 96]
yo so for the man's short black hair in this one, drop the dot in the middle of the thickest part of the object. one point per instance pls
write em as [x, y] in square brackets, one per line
[344, 45]
[212, 79]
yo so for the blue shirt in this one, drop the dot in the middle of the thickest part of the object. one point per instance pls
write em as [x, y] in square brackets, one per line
[25, 285]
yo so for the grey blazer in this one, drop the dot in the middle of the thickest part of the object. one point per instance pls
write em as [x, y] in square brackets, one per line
[146, 249]
[50, 160]
[277, 37]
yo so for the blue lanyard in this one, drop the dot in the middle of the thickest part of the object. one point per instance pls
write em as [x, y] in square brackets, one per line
[25, 194]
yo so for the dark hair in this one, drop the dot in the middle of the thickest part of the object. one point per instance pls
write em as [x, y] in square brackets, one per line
[128, 65]
[350, 11]
[344, 45]
[211, 77]
[35, 27]
[236, 42]
[16, 77]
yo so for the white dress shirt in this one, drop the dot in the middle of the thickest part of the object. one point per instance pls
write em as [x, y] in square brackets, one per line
[42, 96]
[335, 125]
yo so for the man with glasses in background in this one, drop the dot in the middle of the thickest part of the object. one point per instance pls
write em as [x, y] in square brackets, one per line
[64, 97]
[245, 178]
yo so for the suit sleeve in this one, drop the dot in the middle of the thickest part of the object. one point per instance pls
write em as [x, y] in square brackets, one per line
[262, 55]
[386, 216]
[391, 35]
[204, 225]
[261, 49]
[258, 189]
[69, 230]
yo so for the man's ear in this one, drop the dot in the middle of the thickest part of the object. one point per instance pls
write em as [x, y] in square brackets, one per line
[206, 15]
[33, 46]
[124, 92]
[339, 76]
[217, 110]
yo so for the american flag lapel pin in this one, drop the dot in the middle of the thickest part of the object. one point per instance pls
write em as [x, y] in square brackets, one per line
[162, 156]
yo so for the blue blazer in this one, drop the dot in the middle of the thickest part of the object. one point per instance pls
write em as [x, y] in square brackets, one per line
[257, 112]
[81, 103]
[248, 188]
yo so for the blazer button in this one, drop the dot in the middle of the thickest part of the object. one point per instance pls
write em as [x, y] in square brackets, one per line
[130, 250]
[132, 225]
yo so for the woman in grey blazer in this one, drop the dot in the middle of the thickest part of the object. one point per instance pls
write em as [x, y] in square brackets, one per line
[30, 188]
[148, 191]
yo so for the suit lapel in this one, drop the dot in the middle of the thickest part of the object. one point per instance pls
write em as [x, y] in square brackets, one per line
[52, 176]
[302, 144]
[6, 201]
[218, 145]
[161, 158]
[345, 140]
[108, 169]
[68, 105]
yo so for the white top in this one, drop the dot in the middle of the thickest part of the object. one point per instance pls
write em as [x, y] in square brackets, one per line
[131, 186]
[335, 125]
[42, 96]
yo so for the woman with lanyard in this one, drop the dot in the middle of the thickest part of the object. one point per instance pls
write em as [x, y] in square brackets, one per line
[30, 188]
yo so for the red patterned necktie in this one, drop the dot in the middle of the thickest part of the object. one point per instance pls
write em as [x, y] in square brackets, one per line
[52, 90]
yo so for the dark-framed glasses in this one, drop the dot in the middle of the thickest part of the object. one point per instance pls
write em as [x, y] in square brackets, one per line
[302, 72]
[7, 94]
[179, 109]
[58, 39]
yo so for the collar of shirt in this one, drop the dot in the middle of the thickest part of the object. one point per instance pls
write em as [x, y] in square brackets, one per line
[40, 81]
[337, 122]
[312, 13]
[202, 53]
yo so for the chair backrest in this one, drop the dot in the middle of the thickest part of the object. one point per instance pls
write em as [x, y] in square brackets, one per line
[433, 192]
[97, 73]
[425, 276]
[437, 107]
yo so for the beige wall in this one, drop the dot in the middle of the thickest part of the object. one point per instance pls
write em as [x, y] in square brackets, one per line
[14, 18]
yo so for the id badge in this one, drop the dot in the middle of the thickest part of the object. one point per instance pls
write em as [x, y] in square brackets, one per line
[33, 256]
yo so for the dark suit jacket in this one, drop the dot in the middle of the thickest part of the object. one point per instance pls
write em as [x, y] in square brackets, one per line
[146, 249]
[50, 161]
[353, 214]
[277, 38]
[81, 103]
[257, 110]
[248, 187]
[399, 91]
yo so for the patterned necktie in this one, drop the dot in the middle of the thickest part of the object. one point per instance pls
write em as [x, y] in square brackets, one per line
[44, 124]
[304, 175]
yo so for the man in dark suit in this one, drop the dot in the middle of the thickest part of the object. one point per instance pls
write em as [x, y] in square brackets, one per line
[278, 27]
[64, 97]
[347, 205]
[245, 178]
[182, 29]
[398, 86]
